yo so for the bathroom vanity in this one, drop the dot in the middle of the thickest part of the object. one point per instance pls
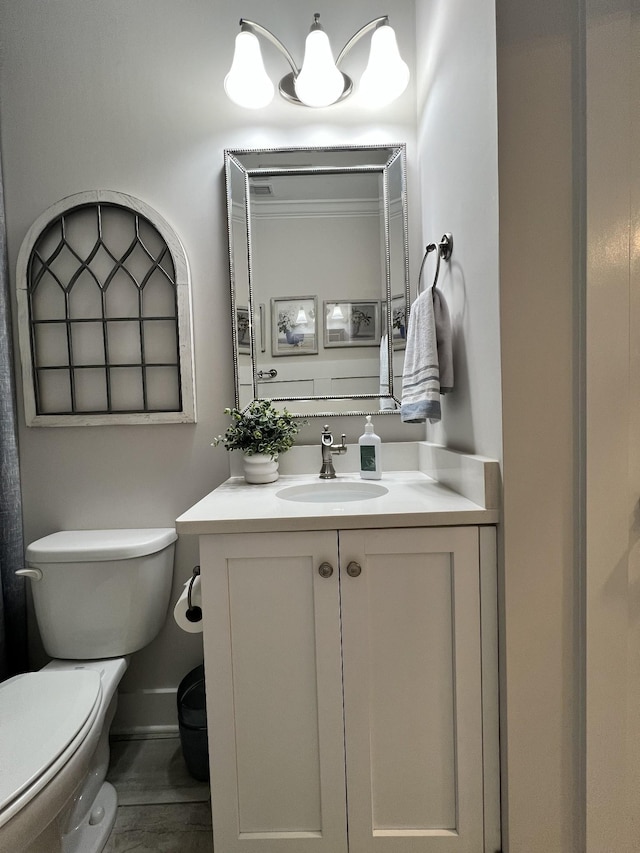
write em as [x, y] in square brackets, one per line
[351, 658]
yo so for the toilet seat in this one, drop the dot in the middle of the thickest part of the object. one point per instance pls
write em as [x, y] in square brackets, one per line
[44, 717]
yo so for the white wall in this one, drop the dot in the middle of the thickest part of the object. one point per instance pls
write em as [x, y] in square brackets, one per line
[128, 96]
[457, 153]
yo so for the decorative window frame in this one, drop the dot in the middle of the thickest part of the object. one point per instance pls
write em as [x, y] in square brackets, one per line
[187, 412]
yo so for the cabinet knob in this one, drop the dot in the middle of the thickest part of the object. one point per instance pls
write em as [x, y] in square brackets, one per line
[325, 570]
[354, 569]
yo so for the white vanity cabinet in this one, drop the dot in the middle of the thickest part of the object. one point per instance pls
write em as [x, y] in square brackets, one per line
[351, 680]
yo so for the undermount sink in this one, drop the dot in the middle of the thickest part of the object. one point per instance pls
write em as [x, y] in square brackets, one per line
[332, 491]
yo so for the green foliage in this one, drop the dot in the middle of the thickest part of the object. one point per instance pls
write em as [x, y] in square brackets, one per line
[260, 428]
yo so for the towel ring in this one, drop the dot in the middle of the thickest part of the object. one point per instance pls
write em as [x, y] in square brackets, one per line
[444, 250]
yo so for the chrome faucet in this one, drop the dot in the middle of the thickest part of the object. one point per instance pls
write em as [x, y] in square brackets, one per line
[328, 472]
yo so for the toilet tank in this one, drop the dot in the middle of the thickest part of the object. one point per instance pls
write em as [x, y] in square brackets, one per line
[101, 593]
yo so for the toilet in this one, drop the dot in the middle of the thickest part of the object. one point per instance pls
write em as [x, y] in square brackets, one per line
[99, 596]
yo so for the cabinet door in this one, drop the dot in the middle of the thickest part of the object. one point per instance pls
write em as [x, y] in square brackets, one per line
[274, 692]
[412, 690]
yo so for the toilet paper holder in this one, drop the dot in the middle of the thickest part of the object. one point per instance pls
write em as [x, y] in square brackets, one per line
[193, 612]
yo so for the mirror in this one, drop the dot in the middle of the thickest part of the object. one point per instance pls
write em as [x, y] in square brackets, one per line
[318, 263]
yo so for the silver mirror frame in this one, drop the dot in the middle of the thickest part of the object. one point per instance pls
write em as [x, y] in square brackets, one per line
[234, 158]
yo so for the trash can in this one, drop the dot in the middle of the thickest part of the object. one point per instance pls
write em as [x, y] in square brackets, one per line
[192, 722]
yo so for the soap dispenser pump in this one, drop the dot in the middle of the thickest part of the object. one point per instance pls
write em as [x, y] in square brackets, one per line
[370, 452]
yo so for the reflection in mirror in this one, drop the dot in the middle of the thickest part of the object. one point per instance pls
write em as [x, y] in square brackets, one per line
[319, 277]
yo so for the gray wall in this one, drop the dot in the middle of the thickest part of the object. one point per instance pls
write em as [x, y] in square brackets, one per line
[540, 151]
[457, 155]
[612, 452]
[128, 96]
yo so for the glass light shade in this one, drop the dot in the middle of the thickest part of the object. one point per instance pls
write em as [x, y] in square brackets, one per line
[247, 83]
[319, 82]
[301, 319]
[386, 76]
[337, 314]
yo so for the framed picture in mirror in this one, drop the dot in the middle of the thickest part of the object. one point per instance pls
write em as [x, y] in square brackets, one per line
[398, 321]
[294, 325]
[243, 328]
[353, 323]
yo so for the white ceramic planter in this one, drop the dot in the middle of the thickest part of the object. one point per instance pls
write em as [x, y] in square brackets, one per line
[260, 468]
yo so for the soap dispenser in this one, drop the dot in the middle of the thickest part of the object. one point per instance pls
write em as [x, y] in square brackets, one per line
[370, 452]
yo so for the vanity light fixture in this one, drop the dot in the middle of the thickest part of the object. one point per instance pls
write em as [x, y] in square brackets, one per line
[337, 314]
[301, 319]
[319, 82]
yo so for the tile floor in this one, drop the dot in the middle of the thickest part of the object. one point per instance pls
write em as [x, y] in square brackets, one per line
[161, 808]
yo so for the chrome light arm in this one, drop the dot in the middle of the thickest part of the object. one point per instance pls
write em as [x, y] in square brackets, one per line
[251, 26]
[372, 25]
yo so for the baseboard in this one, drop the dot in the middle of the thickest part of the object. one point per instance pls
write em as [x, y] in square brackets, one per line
[146, 713]
[144, 733]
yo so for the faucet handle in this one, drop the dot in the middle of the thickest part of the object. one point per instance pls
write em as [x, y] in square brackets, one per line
[340, 448]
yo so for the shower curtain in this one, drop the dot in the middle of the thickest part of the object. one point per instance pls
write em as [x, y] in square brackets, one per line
[13, 616]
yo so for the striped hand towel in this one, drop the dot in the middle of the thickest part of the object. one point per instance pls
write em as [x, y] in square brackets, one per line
[421, 387]
[443, 338]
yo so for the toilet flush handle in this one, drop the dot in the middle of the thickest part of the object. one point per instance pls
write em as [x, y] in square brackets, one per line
[34, 574]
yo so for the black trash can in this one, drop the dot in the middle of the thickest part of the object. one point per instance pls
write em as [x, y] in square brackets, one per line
[192, 722]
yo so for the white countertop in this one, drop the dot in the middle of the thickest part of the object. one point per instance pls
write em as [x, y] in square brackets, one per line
[414, 499]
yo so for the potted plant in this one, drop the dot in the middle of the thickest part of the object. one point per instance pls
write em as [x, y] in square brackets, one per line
[262, 433]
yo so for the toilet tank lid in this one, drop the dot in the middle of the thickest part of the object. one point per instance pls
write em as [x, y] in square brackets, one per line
[80, 546]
